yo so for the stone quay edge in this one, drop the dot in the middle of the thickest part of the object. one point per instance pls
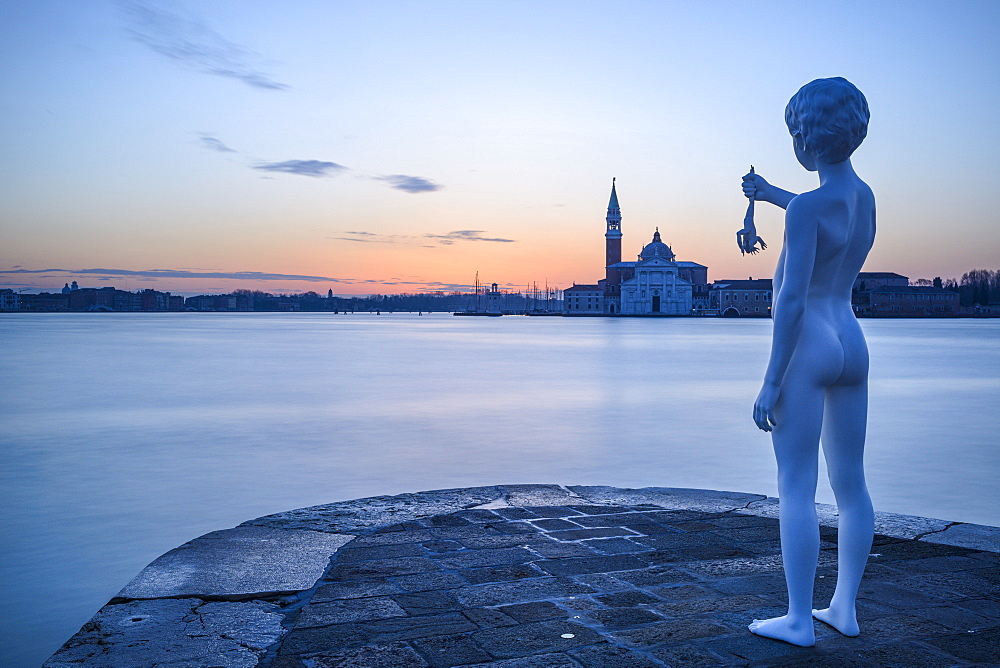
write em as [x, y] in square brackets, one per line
[485, 567]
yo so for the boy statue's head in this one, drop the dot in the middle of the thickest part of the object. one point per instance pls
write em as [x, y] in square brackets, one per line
[828, 119]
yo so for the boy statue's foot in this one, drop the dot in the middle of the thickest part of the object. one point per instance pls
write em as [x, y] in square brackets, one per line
[781, 628]
[846, 623]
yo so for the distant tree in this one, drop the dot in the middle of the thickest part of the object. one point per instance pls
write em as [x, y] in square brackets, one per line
[979, 286]
[937, 282]
[922, 282]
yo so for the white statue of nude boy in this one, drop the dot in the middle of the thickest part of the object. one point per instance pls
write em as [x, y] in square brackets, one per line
[816, 384]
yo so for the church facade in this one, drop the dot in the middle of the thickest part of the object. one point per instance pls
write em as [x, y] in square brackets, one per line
[656, 284]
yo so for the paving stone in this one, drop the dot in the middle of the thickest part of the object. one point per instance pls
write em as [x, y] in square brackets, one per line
[553, 550]
[625, 599]
[536, 638]
[450, 520]
[322, 638]
[844, 659]
[533, 612]
[421, 535]
[620, 618]
[613, 520]
[669, 632]
[512, 528]
[605, 655]
[979, 646]
[505, 540]
[747, 566]
[424, 626]
[380, 568]
[912, 549]
[943, 564]
[555, 511]
[987, 607]
[388, 655]
[427, 581]
[655, 576]
[538, 661]
[687, 656]
[598, 532]
[896, 595]
[515, 513]
[705, 605]
[680, 539]
[351, 610]
[577, 566]
[951, 585]
[500, 573]
[748, 534]
[519, 592]
[552, 524]
[890, 627]
[683, 592]
[907, 655]
[478, 515]
[758, 650]
[615, 545]
[448, 651]
[441, 546]
[755, 584]
[577, 603]
[427, 602]
[488, 618]
[707, 552]
[602, 582]
[486, 557]
[349, 554]
[355, 589]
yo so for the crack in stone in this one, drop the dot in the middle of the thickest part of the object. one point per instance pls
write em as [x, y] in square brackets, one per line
[928, 533]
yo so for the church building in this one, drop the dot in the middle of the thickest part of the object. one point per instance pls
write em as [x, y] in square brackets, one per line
[656, 284]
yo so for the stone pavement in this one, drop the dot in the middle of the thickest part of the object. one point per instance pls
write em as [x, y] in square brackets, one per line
[543, 576]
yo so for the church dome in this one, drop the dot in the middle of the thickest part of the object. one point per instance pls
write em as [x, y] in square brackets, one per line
[656, 248]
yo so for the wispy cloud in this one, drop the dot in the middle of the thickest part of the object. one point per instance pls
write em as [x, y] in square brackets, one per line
[372, 238]
[464, 235]
[315, 168]
[179, 273]
[184, 38]
[213, 143]
[410, 184]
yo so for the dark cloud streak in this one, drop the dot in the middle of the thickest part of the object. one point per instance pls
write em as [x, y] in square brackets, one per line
[465, 235]
[314, 168]
[213, 143]
[187, 40]
[410, 184]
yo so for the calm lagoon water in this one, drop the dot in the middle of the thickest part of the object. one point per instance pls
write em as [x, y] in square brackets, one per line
[124, 435]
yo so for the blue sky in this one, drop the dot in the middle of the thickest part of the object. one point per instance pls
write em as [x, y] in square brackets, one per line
[404, 146]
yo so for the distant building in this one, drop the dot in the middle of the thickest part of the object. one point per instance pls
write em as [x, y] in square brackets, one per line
[906, 301]
[868, 280]
[9, 300]
[738, 298]
[584, 300]
[654, 284]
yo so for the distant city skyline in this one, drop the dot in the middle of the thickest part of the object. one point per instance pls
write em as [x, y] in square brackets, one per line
[402, 147]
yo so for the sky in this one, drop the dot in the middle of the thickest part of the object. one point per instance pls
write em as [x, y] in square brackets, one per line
[384, 147]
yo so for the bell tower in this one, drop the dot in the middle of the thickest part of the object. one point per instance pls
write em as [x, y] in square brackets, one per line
[613, 254]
